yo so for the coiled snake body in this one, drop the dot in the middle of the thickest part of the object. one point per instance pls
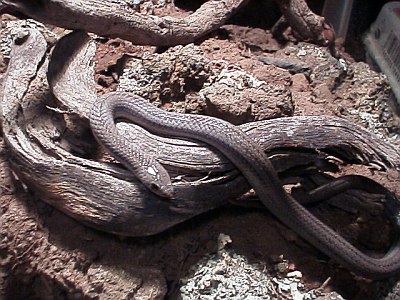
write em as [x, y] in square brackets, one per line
[245, 154]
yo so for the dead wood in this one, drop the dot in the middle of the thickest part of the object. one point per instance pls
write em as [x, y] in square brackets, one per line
[305, 25]
[112, 18]
[107, 197]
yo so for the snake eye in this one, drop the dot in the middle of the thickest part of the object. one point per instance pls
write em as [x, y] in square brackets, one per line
[154, 187]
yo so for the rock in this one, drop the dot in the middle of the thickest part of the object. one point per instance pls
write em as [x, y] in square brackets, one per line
[238, 97]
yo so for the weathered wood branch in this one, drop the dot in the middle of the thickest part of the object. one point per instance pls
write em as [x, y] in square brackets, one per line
[305, 25]
[112, 18]
[107, 197]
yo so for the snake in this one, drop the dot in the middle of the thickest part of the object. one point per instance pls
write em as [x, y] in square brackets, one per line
[245, 154]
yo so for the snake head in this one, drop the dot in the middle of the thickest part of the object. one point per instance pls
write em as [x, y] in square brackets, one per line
[158, 180]
[165, 191]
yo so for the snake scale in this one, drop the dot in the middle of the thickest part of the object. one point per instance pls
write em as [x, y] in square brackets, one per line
[244, 153]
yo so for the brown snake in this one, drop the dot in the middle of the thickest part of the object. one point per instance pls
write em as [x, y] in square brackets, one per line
[245, 154]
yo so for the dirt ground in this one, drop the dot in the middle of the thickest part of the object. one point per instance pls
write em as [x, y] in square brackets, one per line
[167, 257]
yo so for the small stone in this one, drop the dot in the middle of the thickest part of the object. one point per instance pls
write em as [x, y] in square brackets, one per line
[294, 274]
[223, 240]
[282, 267]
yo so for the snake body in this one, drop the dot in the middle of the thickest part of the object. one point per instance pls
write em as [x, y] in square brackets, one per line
[246, 155]
[151, 173]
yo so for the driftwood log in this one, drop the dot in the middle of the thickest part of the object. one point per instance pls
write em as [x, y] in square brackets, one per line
[116, 19]
[107, 197]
